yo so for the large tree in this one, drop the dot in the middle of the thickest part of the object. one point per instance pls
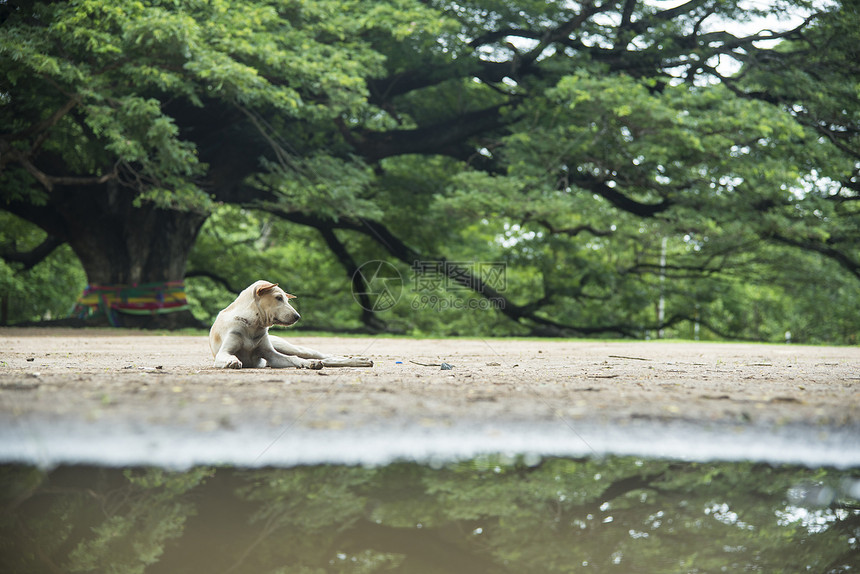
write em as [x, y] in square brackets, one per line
[568, 138]
[122, 120]
[608, 125]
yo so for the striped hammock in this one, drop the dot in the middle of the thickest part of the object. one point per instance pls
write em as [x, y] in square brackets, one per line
[136, 299]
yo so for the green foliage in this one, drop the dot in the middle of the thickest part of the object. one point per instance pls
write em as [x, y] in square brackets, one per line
[118, 64]
[49, 289]
[567, 141]
[320, 185]
[242, 246]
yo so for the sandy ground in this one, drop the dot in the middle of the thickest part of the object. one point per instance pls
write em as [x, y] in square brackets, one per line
[97, 376]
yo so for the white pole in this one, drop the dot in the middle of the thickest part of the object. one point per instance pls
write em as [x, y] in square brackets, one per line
[661, 305]
[696, 325]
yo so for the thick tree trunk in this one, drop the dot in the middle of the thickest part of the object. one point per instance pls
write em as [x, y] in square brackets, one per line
[126, 251]
[119, 243]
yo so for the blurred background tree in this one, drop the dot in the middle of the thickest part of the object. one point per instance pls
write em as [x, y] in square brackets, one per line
[638, 170]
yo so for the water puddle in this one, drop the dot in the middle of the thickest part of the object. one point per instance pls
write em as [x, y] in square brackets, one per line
[492, 513]
[641, 497]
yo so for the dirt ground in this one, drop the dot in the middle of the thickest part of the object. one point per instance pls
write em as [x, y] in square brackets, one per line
[105, 375]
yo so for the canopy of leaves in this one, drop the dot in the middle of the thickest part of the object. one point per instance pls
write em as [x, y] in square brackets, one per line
[638, 169]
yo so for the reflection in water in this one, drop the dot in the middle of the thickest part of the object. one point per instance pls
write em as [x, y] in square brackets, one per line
[493, 514]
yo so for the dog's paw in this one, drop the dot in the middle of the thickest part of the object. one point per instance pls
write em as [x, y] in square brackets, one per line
[362, 362]
[231, 363]
[313, 364]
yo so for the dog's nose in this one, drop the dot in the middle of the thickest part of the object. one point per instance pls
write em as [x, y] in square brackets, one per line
[298, 316]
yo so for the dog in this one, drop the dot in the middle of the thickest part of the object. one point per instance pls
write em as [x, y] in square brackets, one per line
[240, 334]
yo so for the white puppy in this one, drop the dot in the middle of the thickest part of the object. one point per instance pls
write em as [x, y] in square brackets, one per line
[240, 335]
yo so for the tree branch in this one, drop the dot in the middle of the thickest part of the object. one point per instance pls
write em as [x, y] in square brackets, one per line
[49, 181]
[846, 261]
[31, 258]
[443, 138]
[460, 275]
[45, 124]
[225, 283]
[496, 35]
[573, 231]
[359, 287]
[665, 15]
[563, 31]
[620, 200]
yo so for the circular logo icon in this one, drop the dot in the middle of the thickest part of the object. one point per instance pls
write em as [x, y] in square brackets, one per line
[377, 285]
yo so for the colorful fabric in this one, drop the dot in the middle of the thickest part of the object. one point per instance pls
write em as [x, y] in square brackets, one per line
[136, 299]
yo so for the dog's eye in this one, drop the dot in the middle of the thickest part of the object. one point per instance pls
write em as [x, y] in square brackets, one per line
[279, 298]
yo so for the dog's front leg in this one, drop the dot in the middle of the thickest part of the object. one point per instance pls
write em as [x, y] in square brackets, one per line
[226, 357]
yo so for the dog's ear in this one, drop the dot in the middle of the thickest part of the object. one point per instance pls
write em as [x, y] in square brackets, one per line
[264, 288]
[289, 296]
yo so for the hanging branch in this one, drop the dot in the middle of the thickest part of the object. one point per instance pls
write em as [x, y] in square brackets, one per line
[31, 258]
